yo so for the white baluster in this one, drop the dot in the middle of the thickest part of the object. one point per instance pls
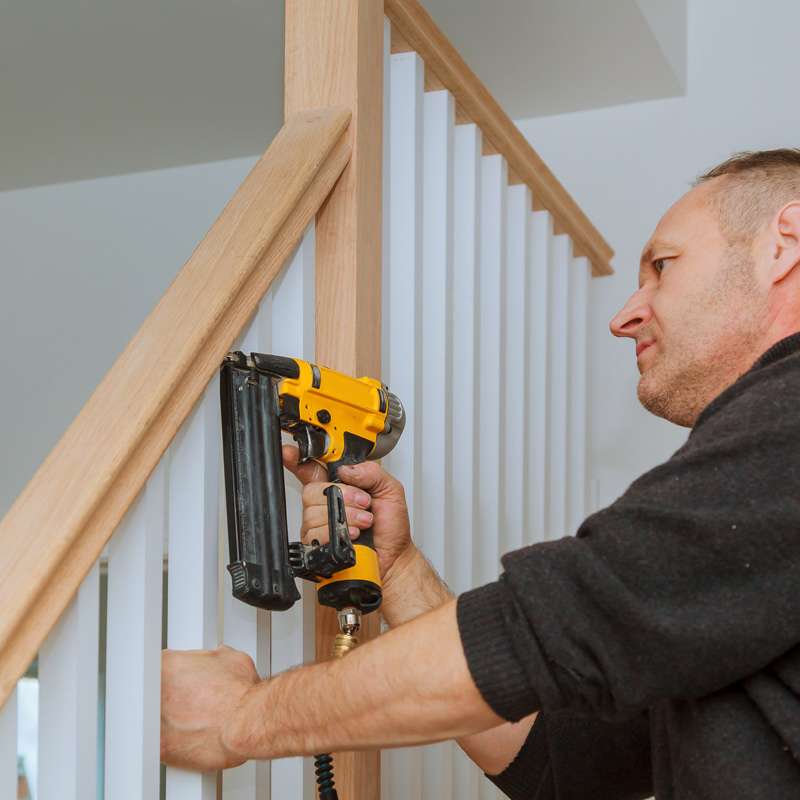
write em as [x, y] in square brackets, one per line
[578, 304]
[133, 646]
[439, 110]
[491, 282]
[8, 747]
[193, 578]
[560, 263]
[436, 276]
[245, 627]
[293, 630]
[538, 312]
[463, 431]
[515, 368]
[402, 769]
[405, 255]
[68, 699]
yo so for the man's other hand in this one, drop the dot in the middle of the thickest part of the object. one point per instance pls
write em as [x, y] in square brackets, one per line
[372, 498]
[200, 691]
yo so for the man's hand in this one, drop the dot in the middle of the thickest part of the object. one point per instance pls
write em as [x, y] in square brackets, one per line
[372, 498]
[200, 691]
[410, 585]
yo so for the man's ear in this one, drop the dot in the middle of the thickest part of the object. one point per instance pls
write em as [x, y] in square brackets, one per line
[786, 242]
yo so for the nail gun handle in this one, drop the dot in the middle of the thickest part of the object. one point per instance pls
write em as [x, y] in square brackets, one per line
[254, 488]
[360, 586]
[366, 537]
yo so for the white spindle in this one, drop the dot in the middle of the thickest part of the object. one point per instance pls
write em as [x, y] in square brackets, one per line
[538, 313]
[491, 283]
[8, 747]
[193, 576]
[578, 391]
[516, 367]
[68, 699]
[293, 630]
[437, 257]
[463, 431]
[436, 276]
[405, 258]
[133, 646]
[560, 264]
[401, 769]
[245, 627]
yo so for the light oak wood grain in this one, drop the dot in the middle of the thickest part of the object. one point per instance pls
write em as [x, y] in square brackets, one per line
[58, 526]
[414, 29]
[334, 56]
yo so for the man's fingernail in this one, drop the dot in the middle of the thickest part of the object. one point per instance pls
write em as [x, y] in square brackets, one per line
[363, 499]
[365, 516]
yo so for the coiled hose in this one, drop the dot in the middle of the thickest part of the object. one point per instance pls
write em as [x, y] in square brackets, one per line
[323, 766]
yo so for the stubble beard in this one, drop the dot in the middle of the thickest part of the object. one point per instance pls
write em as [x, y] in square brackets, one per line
[677, 392]
[710, 350]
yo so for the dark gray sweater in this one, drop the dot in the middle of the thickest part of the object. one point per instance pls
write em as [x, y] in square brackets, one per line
[662, 643]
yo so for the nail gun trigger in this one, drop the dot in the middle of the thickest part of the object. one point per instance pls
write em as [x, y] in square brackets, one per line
[311, 441]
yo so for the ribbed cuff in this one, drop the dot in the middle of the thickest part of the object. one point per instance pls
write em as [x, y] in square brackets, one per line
[483, 616]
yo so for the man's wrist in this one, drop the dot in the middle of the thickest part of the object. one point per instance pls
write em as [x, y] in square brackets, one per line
[237, 731]
[411, 587]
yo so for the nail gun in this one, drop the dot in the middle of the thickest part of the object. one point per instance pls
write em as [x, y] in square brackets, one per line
[334, 419]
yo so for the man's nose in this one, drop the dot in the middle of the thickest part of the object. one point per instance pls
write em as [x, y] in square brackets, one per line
[632, 316]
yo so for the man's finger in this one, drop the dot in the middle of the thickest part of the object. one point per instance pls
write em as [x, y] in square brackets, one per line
[317, 517]
[306, 473]
[314, 495]
[321, 534]
[370, 477]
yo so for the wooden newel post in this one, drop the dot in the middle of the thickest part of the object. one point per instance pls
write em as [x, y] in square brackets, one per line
[334, 57]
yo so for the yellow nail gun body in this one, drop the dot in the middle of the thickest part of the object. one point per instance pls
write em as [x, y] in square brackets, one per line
[336, 420]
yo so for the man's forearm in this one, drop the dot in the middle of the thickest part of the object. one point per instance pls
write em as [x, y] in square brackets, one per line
[413, 588]
[389, 692]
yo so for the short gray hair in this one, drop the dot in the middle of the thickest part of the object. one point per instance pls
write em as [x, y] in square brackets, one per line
[756, 184]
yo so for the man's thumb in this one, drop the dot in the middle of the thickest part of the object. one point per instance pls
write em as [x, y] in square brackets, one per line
[370, 477]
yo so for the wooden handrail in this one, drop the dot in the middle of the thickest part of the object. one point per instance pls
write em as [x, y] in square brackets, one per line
[421, 34]
[61, 521]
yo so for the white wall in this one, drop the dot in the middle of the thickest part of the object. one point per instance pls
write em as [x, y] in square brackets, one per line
[626, 165]
[81, 265]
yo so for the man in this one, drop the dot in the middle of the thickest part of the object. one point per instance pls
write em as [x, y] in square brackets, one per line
[660, 646]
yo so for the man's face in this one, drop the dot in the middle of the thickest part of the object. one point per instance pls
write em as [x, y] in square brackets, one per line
[698, 313]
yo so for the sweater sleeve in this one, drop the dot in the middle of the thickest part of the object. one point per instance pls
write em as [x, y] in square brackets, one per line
[571, 757]
[683, 586]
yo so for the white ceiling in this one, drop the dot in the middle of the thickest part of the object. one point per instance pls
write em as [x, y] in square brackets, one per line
[101, 87]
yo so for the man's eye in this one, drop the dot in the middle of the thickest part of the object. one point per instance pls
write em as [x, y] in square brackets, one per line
[659, 264]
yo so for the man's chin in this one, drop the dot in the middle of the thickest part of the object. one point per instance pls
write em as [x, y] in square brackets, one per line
[647, 394]
[660, 398]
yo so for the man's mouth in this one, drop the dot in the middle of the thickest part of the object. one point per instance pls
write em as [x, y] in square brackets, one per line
[642, 346]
